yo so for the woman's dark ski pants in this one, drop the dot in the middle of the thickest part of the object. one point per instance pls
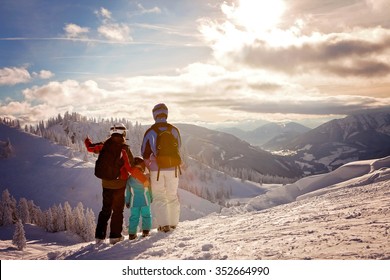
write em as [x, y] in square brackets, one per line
[113, 204]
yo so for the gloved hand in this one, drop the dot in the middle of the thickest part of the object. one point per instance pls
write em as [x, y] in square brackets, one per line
[87, 141]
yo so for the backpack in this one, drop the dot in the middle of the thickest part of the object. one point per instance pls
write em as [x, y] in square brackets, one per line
[110, 161]
[167, 148]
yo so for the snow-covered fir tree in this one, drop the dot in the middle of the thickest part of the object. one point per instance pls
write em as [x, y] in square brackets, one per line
[23, 210]
[89, 225]
[49, 221]
[68, 216]
[60, 218]
[36, 214]
[19, 237]
[7, 209]
[6, 149]
[78, 217]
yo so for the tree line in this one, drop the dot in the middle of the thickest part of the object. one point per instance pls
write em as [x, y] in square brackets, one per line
[57, 218]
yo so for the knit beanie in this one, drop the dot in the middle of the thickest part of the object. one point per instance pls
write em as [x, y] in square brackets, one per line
[160, 109]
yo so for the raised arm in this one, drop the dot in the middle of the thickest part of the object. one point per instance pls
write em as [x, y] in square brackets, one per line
[93, 147]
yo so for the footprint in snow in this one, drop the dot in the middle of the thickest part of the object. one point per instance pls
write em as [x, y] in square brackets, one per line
[207, 247]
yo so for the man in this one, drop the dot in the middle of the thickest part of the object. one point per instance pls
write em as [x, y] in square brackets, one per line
[163, 161]
[113, 188]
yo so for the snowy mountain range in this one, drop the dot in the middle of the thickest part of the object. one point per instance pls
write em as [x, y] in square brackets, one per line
[225, 151]
[332, 144]
[268, 135]
[356, 137]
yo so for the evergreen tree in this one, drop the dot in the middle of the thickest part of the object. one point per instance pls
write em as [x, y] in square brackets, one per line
[68, 216]
[49, 221]
[23, 209]
[78, 216]
[54, 217]
[36, 215]
[60, 218]
[19, 238]
[7, 209]
[89, 225]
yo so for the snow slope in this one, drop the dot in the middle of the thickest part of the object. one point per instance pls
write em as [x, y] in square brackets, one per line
[346, 220]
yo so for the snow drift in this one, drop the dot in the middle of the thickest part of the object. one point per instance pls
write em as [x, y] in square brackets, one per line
[353, 173]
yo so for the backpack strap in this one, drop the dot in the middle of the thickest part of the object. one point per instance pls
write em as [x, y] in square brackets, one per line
[156, 127]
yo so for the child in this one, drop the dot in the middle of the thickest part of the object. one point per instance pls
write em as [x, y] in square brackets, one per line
[138, 199]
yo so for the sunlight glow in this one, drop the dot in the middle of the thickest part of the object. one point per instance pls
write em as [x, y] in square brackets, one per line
[260, 15]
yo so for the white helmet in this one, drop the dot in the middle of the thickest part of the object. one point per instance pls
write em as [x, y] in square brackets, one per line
[119, 128]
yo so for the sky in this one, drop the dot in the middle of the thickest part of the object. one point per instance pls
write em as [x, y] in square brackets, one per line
[210, 62]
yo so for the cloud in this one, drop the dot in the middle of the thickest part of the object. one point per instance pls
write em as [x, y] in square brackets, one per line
[337, 16]
[309, 105]
[154, 10]
[104, 13]
[75, 31]
[26, 112]
[197, 93]
[118, 32]
[115, 32]
[109, 29]
[69, 92]
[14, 75]
[44, 74]
[330, 54]
[361, 68]
[302, 62]
[294, 49]
[378, 5]
[20, 75]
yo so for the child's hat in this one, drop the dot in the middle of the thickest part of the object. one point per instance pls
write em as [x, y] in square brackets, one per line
[139, 161]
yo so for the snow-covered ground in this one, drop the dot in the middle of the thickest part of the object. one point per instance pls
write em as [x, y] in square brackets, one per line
[346, 223]
[342, 215]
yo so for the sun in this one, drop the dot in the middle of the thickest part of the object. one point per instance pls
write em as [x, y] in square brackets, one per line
[256, 15]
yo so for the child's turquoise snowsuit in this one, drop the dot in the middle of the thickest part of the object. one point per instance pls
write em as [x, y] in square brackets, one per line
[138, 198]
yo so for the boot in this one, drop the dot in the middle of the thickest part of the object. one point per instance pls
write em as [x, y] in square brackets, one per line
[132, 236]
[164, 228]
[99, 241]
[116, 240]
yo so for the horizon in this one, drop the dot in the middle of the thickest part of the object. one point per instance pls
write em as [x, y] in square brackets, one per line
[247, 125]
[236, 61]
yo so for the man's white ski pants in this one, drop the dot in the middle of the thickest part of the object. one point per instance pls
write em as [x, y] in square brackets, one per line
[165, 206]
